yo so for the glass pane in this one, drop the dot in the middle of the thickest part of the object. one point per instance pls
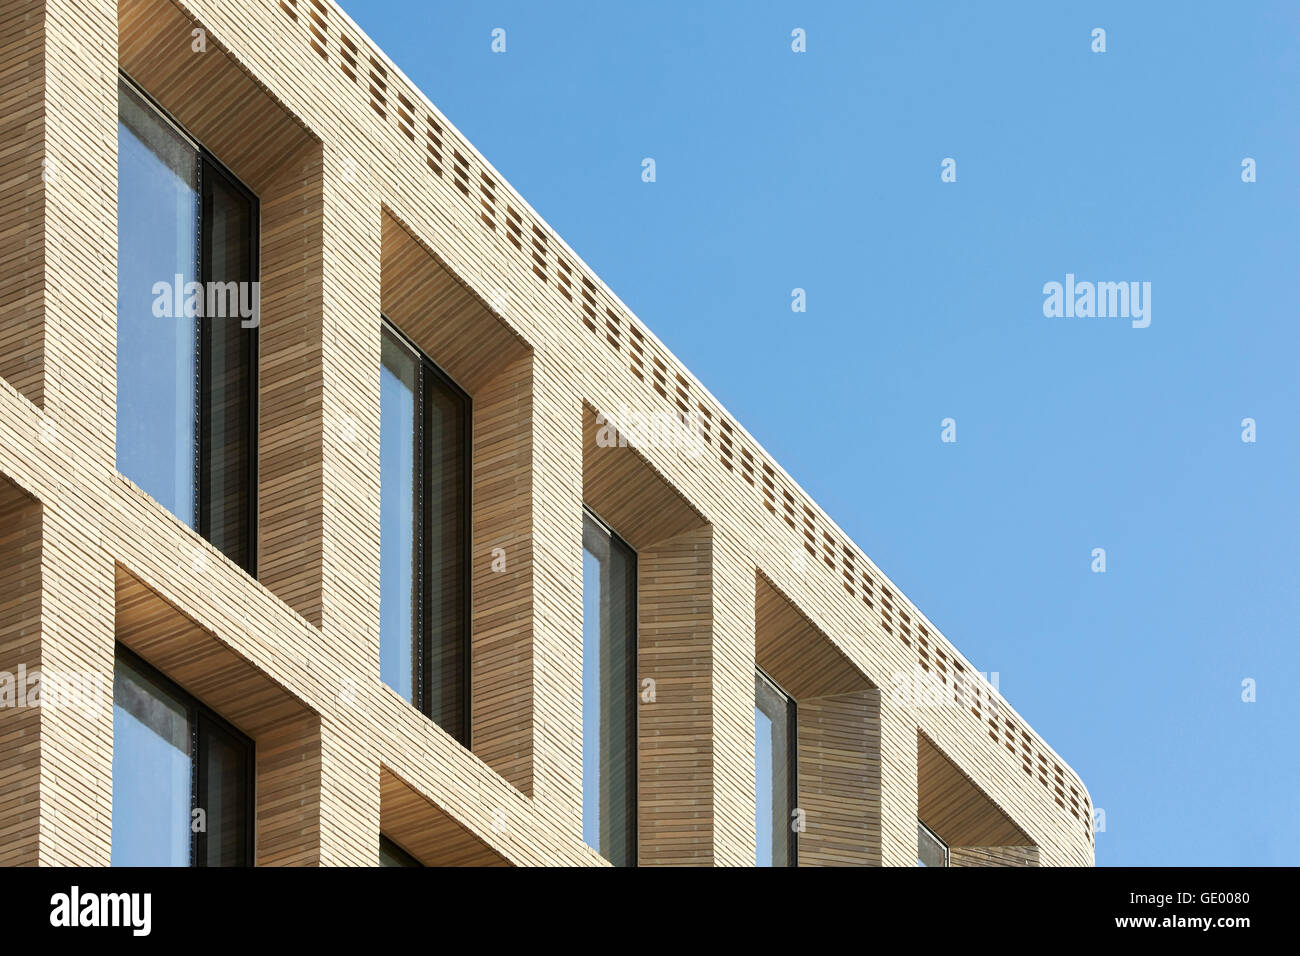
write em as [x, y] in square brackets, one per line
[398, 513]
[930, 850]
[390, 854]
[773, 774]
[151, 772]
[608, 694]
[445, 558]
[229, 368]
[157, 256]
[223, 793]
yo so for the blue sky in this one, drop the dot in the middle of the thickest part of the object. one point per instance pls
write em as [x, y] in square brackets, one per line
[821, 170]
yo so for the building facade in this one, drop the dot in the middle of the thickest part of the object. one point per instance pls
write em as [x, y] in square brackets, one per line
[248, 271]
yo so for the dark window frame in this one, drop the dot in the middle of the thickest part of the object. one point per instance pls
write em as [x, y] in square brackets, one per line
[634, 683]
[199, 714]
[423, 678]
[792, 762]
[209, 165]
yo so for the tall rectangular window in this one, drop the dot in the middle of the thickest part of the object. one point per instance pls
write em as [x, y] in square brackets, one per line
[608, 693]
[775, 781]
[187, 314]
[424, 484]
[176, 764]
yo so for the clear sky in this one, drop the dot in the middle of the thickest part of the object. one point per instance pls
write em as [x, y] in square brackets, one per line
[821, 170]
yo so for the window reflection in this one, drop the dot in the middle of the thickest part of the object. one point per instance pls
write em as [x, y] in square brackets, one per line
[930, 850]
[186, 352]
[182, 777]
[774, 773]
[157, 242]
[424, 459]
[399, 519]
[151, 771]
[608, 693]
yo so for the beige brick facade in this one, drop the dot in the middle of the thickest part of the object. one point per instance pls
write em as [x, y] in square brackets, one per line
[372, 202]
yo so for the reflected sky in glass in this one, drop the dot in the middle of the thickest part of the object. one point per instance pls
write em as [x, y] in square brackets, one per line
[773, 774]
[397, 518]
[608, 697]
[151, 773]
[158, 240]
[763, 787]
